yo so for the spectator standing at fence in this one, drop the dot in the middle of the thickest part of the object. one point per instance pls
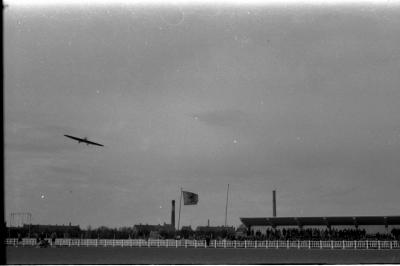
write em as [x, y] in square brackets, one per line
[208, 239]
[19, 239]
[53, 239]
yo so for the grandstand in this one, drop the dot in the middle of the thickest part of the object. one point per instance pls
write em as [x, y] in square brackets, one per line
[342, 227]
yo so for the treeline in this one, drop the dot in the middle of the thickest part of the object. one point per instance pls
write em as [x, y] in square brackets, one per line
[101, 232]
[204, 232]
[134, 232]
[221, 232]
[104, 232]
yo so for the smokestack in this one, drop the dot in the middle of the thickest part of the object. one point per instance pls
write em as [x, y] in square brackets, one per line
[274, 202]
[173, 214]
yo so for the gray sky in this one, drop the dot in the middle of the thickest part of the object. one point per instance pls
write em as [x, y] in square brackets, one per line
[303, 100]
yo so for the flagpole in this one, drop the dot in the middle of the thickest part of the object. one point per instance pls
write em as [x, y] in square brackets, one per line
[180, 203]
[226, 208]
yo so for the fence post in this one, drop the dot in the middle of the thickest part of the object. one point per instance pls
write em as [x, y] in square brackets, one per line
[320, 244]
[185, 243]
[379, 244]
[234, 243]
[69, 242]
[367, 244]
[245, 244]
[331, 244]
[309, 244]
[205, 244]
[255, 244]
[277, 244]
[266, 243]
[391, 244]
[343, 244]
[298, 244]
[355, 244]
[287, 244]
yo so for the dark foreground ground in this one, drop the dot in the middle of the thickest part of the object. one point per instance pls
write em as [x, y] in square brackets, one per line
[119, 255]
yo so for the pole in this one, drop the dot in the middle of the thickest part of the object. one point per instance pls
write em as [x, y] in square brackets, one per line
[226, 207]
[274, 202]
[180, 203]
[30, 222]
[173, 214]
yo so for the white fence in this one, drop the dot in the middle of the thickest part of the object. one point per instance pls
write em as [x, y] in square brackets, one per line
[171, 243]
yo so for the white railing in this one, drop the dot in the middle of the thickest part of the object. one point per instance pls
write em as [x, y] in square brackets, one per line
[171, 243]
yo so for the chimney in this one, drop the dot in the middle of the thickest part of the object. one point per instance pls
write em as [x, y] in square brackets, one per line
[274, 202]
[173, 214]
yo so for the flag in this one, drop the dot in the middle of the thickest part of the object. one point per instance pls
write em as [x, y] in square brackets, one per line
[190, 198]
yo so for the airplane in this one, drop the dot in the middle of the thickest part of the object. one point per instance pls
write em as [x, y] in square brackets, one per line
[84, 140]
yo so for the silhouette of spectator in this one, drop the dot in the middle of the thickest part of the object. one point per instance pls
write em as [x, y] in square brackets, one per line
[208, 239]
[19, 239]
[53, 239]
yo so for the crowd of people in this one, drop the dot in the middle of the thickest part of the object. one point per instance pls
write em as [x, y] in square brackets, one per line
[218, 233]
[316, 234]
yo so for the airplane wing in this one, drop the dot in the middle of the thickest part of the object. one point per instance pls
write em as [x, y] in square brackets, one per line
[75, 138]
[93, 143]
[84, 140]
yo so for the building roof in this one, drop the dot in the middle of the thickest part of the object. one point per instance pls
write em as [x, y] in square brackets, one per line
[335, 220]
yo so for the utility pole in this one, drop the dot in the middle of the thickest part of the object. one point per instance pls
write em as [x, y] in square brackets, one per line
[226, 207]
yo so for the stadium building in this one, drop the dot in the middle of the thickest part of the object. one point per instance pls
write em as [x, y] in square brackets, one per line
[368, 224]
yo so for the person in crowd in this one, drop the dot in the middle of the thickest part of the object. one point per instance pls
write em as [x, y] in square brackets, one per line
[53, 239]
[208, 240]
[19, 239]
[37, 239]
